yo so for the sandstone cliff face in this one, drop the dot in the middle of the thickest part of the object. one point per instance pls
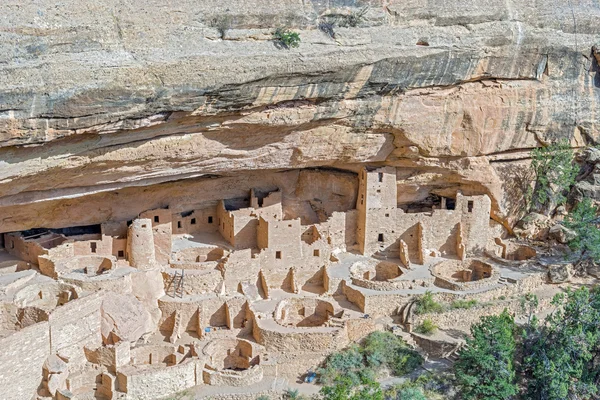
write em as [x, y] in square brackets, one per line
[116, 106]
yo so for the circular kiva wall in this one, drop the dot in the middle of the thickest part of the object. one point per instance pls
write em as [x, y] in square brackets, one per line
[233, 362]
[464, 275]
[90, 265]
[303, 313]
[381, 272]
[199, 254]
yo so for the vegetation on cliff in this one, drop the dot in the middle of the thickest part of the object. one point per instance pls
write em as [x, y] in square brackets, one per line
[555, 173]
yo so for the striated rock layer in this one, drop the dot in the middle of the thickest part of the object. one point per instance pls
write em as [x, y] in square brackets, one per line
[115, 107]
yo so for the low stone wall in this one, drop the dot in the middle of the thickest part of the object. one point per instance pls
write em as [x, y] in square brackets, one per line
[390, 285]
[467, 317]
[354, 296]
[357, 329]
[195, 281]
[119, 283]
[444, 271]
[233, 378]
[297, 340]
[91, 265]
[152, 382]
[437, 348]
[522, 286]
[384, 304]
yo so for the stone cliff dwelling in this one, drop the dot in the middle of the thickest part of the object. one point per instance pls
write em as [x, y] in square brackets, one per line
[232, 292]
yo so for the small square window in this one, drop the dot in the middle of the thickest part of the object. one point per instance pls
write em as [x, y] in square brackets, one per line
[278, 255]
[193, 221]
[210, 220]
[387, 215]
[156, 219]
[121, 254]
[378, 190]
[179, 224]
[289, 225]
[93, 247]
[380, 237]
[316, 252]
[143, 226]
[470, 206]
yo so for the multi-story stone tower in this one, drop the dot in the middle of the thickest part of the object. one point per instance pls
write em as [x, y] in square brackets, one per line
[376, 205]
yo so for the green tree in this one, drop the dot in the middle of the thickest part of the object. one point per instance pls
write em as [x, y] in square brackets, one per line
[485, 368]
[555, 173]
[584, 221]
[562, 355]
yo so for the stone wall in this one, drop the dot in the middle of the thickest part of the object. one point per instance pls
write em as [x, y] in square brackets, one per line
[76, 325]
[152, 382]
[21, 358]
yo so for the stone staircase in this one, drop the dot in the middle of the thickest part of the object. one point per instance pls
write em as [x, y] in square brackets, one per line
[506, 281]
[407, 337]
[454, 354]
[334, 322]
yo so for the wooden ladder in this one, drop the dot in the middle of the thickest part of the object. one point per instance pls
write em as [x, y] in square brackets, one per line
[177, 284]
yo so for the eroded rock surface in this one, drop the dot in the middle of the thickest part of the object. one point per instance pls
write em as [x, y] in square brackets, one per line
[117, 99]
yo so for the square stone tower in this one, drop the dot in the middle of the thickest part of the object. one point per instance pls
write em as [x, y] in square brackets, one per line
[376, 205]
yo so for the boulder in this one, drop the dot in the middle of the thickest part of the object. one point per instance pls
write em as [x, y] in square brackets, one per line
[124, 318]
[560, 273]
[562, 234]
[593, 270]
[533, 226]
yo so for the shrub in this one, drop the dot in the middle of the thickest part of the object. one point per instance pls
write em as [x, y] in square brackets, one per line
[425, 304]
[263, 397]
[287, 38]
[348, 362]
[427, 327]
[344, 389]
[292, 394]
[463, 304]
[411, 394]
[384, 349]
